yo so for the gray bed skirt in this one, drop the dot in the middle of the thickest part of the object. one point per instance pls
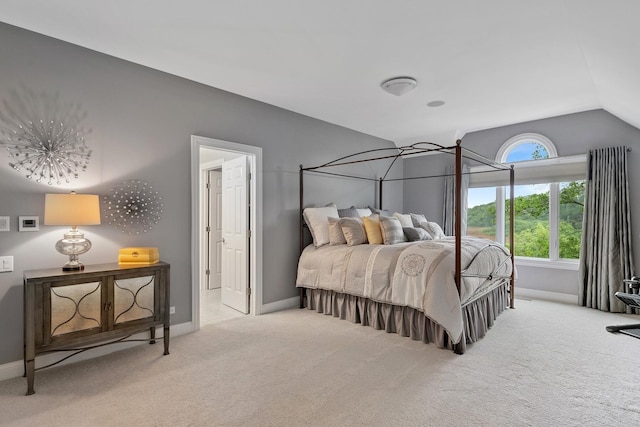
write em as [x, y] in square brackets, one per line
[478, 315]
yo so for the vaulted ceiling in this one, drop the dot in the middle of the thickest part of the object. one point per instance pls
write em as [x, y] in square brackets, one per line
[492, 62]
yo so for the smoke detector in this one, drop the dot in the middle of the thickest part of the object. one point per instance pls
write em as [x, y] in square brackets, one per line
[398, 86]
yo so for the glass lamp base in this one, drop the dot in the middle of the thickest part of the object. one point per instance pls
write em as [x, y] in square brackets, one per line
[73, 245]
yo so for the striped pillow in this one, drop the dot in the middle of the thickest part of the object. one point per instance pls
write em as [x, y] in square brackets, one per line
[353, 230]
[391, 230]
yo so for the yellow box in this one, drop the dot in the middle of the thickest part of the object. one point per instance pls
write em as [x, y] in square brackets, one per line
[138, 255]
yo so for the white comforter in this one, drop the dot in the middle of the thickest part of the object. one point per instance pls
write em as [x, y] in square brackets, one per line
[417, 274]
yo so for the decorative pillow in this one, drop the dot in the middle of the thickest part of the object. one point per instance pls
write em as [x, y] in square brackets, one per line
[415, 234]
[336, 236]
[362, 211]
[433, 229]
[391, 230]
[416, 219]
[348, 213]
[372, 227]
[318, 221]
[353, 230]
[381, 212]
[405, 219]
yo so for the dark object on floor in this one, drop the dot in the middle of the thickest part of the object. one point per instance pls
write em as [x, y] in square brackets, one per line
[633, 301]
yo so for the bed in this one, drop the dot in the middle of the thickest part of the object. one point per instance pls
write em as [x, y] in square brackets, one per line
[446, 290]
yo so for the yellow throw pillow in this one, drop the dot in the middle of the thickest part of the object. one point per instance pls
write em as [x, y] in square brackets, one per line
[372, 226]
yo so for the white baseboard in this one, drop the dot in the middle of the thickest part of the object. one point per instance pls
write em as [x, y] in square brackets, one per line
[16, 369]
[280, 305]
[545, 295]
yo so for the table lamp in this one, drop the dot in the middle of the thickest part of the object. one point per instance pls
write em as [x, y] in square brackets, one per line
[73, 210]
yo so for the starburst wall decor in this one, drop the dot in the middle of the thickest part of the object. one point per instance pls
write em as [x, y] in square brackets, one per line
[43, 137]
[133, 207]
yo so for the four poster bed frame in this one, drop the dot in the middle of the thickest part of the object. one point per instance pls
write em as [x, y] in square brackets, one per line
[420, 148]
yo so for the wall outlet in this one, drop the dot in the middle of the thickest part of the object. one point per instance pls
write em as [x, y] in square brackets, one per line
[172, 310]
[6, 264]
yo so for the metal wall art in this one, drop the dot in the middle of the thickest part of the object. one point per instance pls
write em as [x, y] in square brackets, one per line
[43, 137]
[133, 207]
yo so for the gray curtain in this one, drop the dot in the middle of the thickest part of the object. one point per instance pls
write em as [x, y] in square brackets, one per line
[448, 210]
[606, 255]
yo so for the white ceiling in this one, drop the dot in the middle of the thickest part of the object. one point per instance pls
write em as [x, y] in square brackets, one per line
[494, 62]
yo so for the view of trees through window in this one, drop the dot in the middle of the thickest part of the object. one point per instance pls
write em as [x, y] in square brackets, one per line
[533, 232]
[531, 228]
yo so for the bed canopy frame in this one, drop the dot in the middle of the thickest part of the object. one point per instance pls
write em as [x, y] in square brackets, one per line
[420, 148]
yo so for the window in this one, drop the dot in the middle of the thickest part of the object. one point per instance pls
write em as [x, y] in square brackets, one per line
[548, 204]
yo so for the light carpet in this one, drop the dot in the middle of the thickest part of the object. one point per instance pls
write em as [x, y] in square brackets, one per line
[542, 364]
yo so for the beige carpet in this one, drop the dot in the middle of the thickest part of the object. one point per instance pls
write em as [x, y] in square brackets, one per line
[541, 364]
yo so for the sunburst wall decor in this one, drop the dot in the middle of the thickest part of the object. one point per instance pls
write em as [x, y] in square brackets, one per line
[133, 207]
[43, 137]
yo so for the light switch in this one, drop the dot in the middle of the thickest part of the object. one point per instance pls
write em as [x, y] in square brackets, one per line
[6, 264]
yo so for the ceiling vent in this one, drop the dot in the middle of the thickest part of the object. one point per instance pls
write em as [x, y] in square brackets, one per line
[398, 86]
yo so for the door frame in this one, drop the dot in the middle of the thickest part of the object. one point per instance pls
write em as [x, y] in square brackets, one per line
[256, 224]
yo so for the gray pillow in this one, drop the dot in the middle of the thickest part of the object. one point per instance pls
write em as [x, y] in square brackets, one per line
[381, 212]
[415, 234]
[391, 230]
[348, 213]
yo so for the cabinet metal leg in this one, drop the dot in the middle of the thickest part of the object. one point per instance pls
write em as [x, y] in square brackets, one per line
[166, 340]
[30, 368]
[152, 333]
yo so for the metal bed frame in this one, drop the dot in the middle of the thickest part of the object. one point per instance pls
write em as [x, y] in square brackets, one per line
[393, 154]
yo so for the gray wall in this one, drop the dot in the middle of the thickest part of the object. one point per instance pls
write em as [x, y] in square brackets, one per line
[572, 134]
[141, 122]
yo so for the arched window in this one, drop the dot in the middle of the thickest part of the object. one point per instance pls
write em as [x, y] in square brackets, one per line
[525, 147]
[549, 195]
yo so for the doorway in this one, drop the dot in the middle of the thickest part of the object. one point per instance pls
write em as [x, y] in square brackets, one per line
[234, 251]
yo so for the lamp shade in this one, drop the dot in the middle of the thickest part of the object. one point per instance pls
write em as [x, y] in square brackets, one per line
[71, 209]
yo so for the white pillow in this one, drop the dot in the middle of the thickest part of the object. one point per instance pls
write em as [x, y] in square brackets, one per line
[318, 221]
[336, 236]
[433, 229]
[363, 211]
[405, 219]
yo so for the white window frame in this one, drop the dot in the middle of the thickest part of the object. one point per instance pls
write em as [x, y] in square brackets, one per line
[554, 260]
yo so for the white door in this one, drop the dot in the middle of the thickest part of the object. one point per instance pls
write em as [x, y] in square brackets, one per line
[214, 229]
[235, 234]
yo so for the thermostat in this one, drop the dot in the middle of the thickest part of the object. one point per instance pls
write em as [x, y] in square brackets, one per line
[28, 223]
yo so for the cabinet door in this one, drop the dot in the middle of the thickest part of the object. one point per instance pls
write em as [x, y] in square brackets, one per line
[75, 308]
[133, 298]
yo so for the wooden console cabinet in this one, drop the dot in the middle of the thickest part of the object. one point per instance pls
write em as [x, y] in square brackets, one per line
[74, 310]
